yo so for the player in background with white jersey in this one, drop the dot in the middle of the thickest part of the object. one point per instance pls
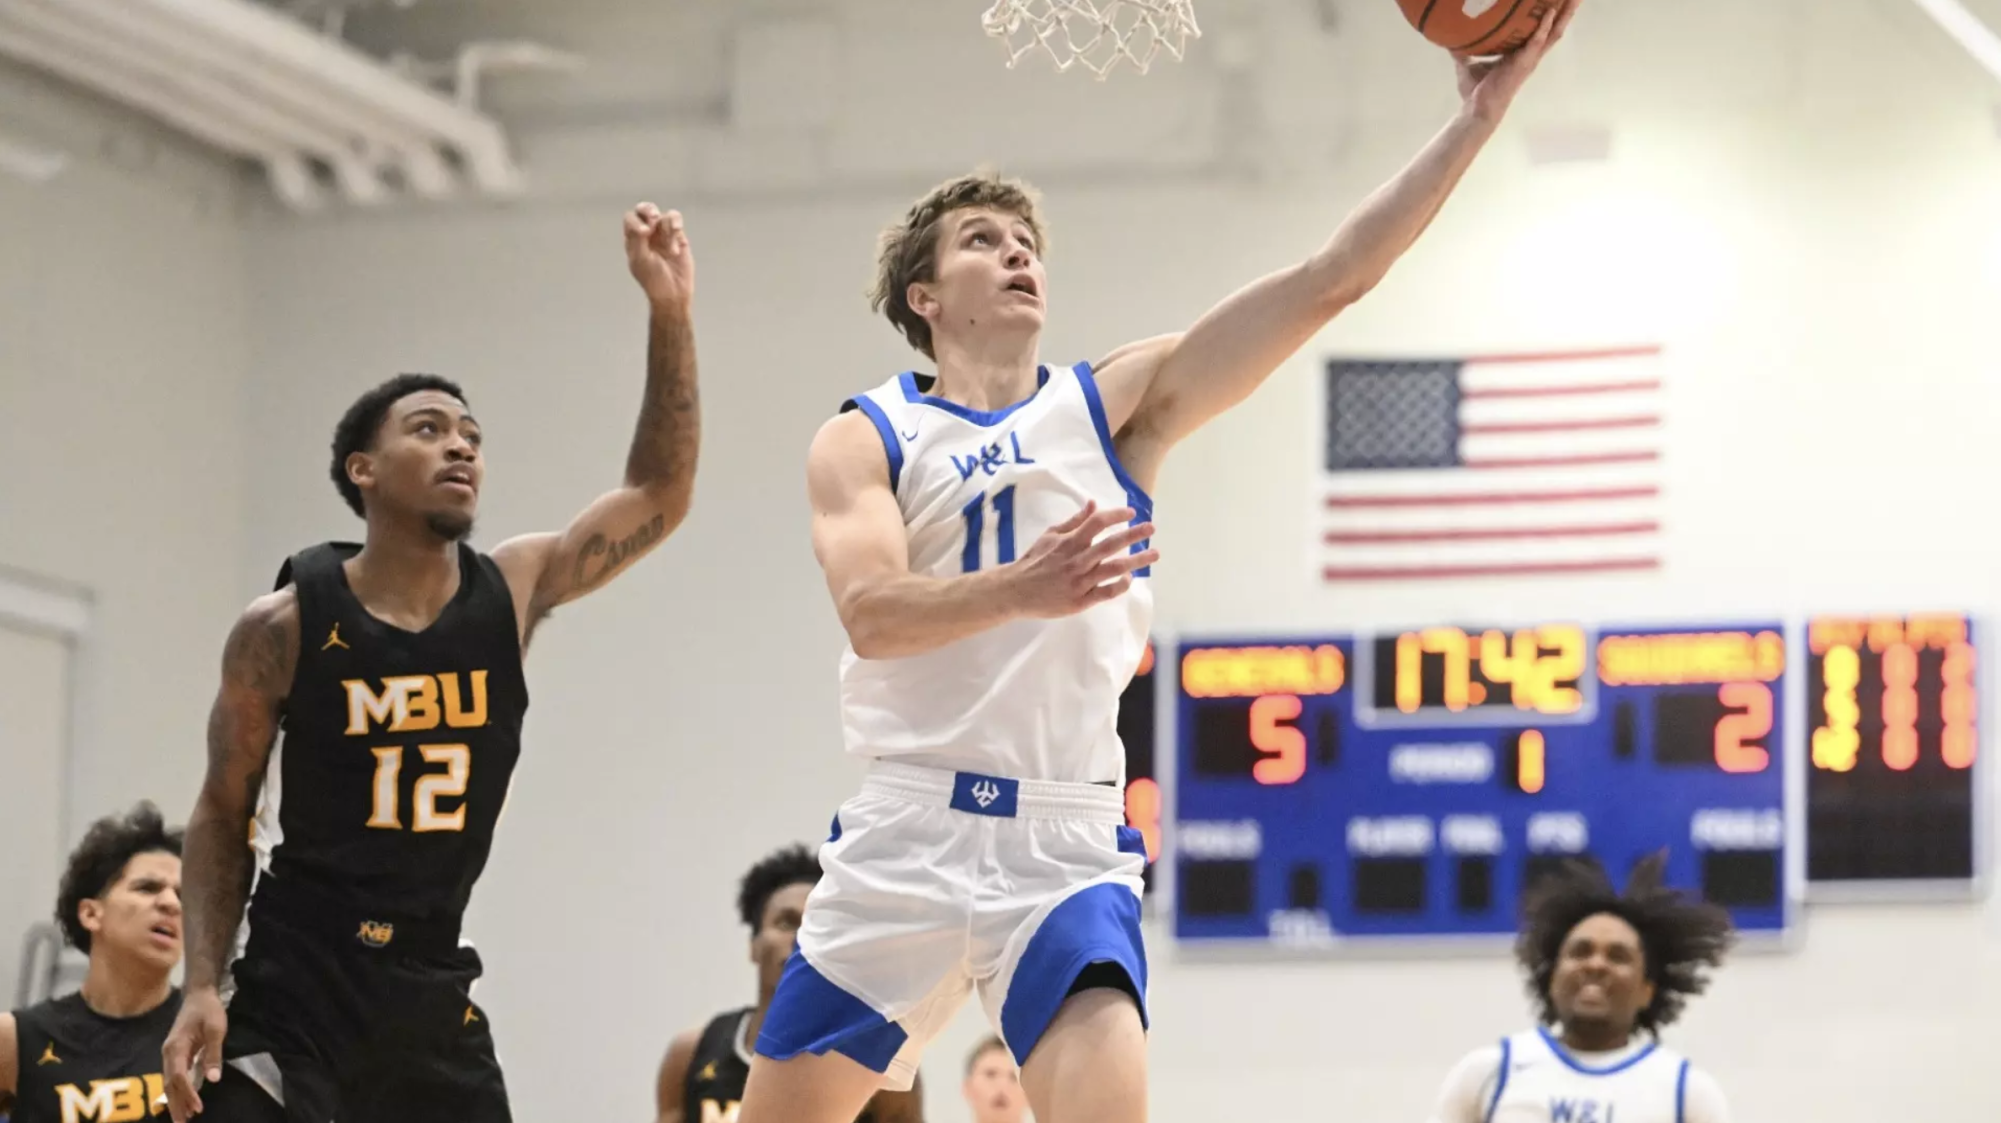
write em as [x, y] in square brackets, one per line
[985, 537]
[1607, 972]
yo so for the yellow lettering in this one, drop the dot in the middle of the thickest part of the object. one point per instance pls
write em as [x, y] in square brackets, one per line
[1936, 632]
[365, 705]
[410, 703]
[417, 704]
[456, 715]
[382, 813]
[449, 784]
[156, 1094]
[122, 1100]
[1697, 657]
[385, 811]
[1837, 743]
[714, 1112]
[1249, 672]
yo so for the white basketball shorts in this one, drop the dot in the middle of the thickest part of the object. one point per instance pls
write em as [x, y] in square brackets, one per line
[934, 882]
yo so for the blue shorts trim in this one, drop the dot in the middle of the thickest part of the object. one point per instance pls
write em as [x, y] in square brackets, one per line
[1095, 925]
[811, 1015]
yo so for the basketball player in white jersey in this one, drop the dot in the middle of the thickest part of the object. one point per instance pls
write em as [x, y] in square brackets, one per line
[985, 536]
[1607, 972]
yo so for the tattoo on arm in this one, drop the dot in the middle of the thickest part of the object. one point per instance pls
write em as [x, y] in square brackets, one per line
[257, 668]
[598, 559]
[659, 483]
[670, 422]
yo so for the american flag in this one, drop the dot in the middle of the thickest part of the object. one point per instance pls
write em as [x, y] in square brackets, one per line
[1499, 466]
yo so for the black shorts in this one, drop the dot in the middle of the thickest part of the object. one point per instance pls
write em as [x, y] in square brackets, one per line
[379, 1027]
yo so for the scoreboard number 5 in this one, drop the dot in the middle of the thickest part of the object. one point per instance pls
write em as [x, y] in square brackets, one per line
[1285, 743]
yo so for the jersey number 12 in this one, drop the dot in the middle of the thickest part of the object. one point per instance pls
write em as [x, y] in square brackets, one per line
[386, 810]
[975, 515]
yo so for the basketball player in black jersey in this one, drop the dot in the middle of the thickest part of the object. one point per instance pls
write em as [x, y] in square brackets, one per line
[701, 1078]
[95, 1054]
[394, 670]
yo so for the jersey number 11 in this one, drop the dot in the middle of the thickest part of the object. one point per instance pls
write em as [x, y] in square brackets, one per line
[975, 516]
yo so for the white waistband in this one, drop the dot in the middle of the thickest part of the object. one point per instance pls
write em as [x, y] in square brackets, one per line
[1023, 799]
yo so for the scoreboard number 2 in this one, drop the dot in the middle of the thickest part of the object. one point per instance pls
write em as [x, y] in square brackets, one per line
[1734, 729]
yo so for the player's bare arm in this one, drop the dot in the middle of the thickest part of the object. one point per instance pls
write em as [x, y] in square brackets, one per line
[1159, 391]
[890, 612]
[257, 665]
[549, 569]
[899, 1107]
[10, 1045]
[670, 1086]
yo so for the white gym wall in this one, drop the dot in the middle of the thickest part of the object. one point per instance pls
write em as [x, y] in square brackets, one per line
[123, 355]
[1799, 204]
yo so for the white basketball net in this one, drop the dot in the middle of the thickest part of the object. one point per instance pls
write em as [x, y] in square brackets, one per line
[1094, 34]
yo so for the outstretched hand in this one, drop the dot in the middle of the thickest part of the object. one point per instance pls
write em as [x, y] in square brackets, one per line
[1489, 86]
[656, 247]
[1070, 568]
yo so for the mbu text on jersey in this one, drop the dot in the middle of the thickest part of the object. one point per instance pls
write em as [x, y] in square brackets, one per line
[398, 746]
[78, 1066]
[1031, 698]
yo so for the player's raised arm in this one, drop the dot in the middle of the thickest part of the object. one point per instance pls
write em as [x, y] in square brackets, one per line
[257, 666]
[1232, 349]
[890, 612]
[625, 524]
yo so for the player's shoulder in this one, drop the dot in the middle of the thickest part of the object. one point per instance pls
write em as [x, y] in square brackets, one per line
[847, 448]
[681, 1049]
[268, 627]
[1484, 1059]
[44, 1018]
[1701, 1095]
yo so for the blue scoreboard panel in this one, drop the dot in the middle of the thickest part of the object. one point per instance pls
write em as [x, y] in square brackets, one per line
[1358, 787]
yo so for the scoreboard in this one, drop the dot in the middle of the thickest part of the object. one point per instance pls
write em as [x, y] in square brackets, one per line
[1412, 784]
[1892, 713]
[1145, 806]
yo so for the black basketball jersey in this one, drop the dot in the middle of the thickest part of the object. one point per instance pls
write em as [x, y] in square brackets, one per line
[717, 1073]
[76, 1064]
[397, 746]
[721, 1065]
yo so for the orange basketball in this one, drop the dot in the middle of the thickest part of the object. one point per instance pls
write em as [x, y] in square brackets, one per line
[1476, 27]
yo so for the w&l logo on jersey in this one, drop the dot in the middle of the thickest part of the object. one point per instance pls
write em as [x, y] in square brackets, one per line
[985, 792]
[992, 458]
[1565, 1110]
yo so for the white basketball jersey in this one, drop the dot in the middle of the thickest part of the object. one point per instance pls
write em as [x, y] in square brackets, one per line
[1542, 1082]
[1029, 699]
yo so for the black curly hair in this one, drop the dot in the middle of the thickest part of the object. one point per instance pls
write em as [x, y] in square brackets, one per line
[1679, 935]
[101, 857]
[363, 420]
[792, 865]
